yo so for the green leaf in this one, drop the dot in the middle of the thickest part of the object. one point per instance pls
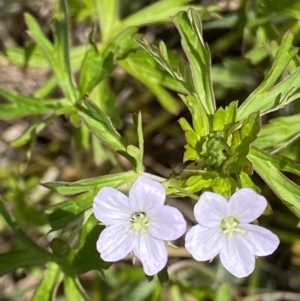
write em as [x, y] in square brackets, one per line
[19, 233]
[40, 38]
[234, 73]
[157, 12]
[50, 281]
[191, 139]
[107, 10]
[197, 52]
[288, 7]
[276, 98]
[163, 276]
[100, 125]
[21, 106]
[73, 289]
[176, 187]
[134, 153]
[280, 162]
[91, 71]
[16, 259]
[57, 55]
[171, 63]
[105, 97]
[191, 154]
[265, 98]
[199, 182]
[101, 153]
[287, 129]
[113, 180]
[61, 54]
[97, 66]
[176, 293]
[283, 56]
[166, 99]
[87, 249]
[201, 122]
[119, 47]
[64, 213]
[81, 135]
[223, 293]
[141, 66]
[224, 185]
[137, 120]
[247, 182]
[46, 89]
[37, 58]
[31, 132]
[59, 247]
[214, 150]
[30, 58]
[240, 145]
[284, 188]
[224, 119]
[185, 125]
[160, 55]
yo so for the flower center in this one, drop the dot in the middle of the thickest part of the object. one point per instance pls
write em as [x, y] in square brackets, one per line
[139, 221]
[230, 225]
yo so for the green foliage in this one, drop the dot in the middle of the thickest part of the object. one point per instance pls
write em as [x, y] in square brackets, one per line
[22, 106]
[241, 140]
[100, 124]
[57, 55]
[224, 119]
[91, 71]
[70, 188]
[284, 188]
[287, 130]
[145, 70]
[86, 249]
[62, 214]
[189, 27]
[93, 90]
[49, 283]
[267, 97]
[74, 290]
[108, 16]
[288, 7]
[17, 259]
[223, 293]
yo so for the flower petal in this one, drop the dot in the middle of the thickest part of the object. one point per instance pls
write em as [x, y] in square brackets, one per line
[152, 253]
[236, 257]
[111, 206]
[247, 205]
[261, 241]
[114, 243]
[203, 243]
[166, 223]
[146, 194]
[210, 209]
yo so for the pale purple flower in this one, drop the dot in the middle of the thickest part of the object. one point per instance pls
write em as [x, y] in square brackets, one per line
[224, 229]
[139, 223]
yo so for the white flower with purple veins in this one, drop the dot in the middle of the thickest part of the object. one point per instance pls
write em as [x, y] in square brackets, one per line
[139, 223]
[224, 229]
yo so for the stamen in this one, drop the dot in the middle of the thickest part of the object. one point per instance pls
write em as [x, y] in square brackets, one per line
[171, 245]
[139, 221]
[230, 225]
